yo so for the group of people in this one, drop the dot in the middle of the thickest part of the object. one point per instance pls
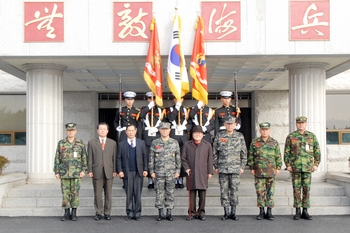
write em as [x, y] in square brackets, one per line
[169, 144]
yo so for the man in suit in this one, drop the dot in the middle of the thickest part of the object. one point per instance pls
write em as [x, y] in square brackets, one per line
[102, 153]
[132, 167]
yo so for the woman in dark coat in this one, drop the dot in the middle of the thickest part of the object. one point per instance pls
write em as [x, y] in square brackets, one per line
[197, 160]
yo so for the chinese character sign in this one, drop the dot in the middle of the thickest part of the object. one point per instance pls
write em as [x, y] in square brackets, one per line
[132, 20]
[43, 22]
[310, 20]
[222, 20]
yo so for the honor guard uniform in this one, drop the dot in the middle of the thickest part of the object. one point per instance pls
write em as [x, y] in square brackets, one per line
[127, 116]
[148, 127]
[181, 124]
[224, 111]
[202, 115]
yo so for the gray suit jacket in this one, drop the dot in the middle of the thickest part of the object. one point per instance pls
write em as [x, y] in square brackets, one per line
[123, 157]
[98, 158]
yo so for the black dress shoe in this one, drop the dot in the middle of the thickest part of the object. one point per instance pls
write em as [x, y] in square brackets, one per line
[107, 217]
[137, 218]
[128, 218]
[151, 186]
[202, 218]
[176, 186]
[97, 217]
[181, 186]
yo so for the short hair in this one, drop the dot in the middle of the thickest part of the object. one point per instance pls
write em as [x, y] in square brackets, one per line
[103, 123]
[130, 126]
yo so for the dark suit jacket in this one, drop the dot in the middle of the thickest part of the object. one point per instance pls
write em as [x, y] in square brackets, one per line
[123, 157]
[97, 158]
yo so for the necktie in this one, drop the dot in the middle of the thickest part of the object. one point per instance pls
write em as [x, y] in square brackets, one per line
[103, 144]
[132, 143]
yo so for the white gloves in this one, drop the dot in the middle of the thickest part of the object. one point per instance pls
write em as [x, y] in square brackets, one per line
[178, 105]
[200, 104]
[119, 129]
[181, 128]
[153, 130]
[238, 126]
[151, 104]
[204, 129]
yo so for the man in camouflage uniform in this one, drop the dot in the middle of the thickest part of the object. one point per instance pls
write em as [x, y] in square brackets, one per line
[181, 124]
[150, 118]
[70, 166]
[127, 116]
[164, 166]
[302, 156]
[264, 161]
[230, 158]
[224, 111]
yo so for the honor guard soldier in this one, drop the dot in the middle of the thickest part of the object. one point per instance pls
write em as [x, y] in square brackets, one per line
[202, 116]
[224, 111]
[264, 161]
[127, 116]
[181, 124]
[302, 156]
[70, 166]
[150, 116]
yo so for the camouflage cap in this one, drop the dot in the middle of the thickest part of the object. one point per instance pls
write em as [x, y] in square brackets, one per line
[164, 125]
[230, 120]
[71, 126]
[301, 119]
[265, 125]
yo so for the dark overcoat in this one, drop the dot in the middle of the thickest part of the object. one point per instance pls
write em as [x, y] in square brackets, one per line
[200, 160]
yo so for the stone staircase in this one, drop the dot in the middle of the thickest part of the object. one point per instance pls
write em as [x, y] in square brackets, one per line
[45, 199]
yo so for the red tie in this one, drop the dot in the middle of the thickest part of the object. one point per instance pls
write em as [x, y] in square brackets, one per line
[102, 144]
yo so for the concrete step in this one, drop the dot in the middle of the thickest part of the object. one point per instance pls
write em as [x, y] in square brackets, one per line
[45, 199]
[179, 211]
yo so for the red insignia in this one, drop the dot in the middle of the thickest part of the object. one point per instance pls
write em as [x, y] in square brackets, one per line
[222, 114]
[258, 144]
[63, 148]
[157, 114]
[122, 114]
[223, 140]
[234, 113]
[158, 147]
[133, 114]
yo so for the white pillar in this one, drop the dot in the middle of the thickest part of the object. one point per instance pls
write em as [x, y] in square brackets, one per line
[44, 118]
[307, 97]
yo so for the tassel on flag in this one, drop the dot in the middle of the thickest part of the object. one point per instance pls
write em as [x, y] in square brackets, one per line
[177, 72]
[153, 67]
[198, 68]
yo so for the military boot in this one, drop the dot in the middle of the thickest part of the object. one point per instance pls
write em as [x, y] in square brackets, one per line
[261, 214]
[66, 215]
[73, 217]
[297, 214]
[160, 215]
[233, 213]
[226, 214]
[168, 215]
[306, 215]
[269, 215]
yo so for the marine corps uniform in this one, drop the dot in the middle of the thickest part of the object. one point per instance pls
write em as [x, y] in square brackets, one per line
[264, 159]
[301, 153]
[222, 112]
[127, 116]
[165, 162]
[203, 116]
[230, 156]
[70, 161]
